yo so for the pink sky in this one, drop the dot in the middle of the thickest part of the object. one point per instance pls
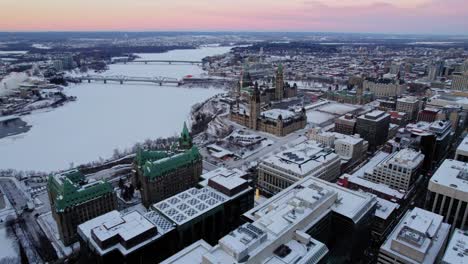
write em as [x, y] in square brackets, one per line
[395, 16]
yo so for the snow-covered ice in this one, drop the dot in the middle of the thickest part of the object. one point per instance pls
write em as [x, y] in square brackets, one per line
[108, 116]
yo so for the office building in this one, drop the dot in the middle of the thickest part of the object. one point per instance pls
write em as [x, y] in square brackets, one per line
[448, 193]
[345, 124]
[409, 105]
[312, 221]
[461, 153]
[419, 237]
[350, 148]
[279, 171]
[460, 82]
[373, 127]
[428, 114]
[207, 213]
[457, 248]
[74, 200]
[399, 170]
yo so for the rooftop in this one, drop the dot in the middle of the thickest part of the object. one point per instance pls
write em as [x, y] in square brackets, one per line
[418, 237]
[375, 115]
[71, 187]
[187, 205]
[224, 176]
[155, 164]
[125, 232]
[408, 99]
[407, 158]
[385, 208]
[452, 175]
[457, 249]
[463, 147]
[275, 113]
[302, 159]
[349, 203]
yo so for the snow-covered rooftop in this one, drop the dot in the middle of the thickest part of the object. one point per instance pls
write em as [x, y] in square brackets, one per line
[302, 159]
[189, 204]
[407, 157]
[418, 237]
[275, 113]
[368, 167]
[463, 147]
[337, 108]
[126, 226]
[457, 249]
[385, 208]
[451, 178]
[375, 115]
[229, 178]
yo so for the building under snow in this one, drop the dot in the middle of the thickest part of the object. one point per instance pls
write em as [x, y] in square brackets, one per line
[280, 170]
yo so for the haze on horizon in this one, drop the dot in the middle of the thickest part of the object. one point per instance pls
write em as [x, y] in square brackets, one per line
[373, 16]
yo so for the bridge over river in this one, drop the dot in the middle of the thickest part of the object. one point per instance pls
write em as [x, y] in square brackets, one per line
[126, 61]
[157, 80]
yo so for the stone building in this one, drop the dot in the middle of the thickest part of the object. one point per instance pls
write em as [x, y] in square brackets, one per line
[74, 200]
[161, 174]
[345, 124]
[382, 88]
[275, 121]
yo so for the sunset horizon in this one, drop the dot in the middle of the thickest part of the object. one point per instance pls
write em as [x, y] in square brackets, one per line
[365, 16]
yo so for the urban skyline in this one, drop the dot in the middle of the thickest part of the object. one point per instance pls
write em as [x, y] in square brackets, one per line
[417, 16]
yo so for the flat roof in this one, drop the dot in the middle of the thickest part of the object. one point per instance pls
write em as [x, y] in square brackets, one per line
[349, 203]
[385, 208]
[275, 113]
[126, 226]
[457, 249]
[191, 254]
[302, 159]
[418, 237]
[463, 147]
[229, 178]
[190, 204]
[452, 176]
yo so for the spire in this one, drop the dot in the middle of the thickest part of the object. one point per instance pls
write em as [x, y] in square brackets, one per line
[185, 140]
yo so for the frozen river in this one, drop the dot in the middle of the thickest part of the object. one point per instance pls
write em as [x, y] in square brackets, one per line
[108, 116]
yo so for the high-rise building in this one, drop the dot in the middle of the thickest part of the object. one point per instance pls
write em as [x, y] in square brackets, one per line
[312, 221]
[349, 148]
[428, 114]
[207, 213]
[461, 153]
[457, 249]
[373, 127]
[74, 200]
[279, 171]
[448, 193]
[409, 105]
[345, 124]
[399, 170]
[420, 237]
[460, 82]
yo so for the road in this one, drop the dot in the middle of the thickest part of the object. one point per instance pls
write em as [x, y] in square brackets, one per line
[14, 194]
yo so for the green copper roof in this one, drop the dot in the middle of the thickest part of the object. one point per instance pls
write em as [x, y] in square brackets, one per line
[280, 68]
[143, 156]
[185, 140]
[70, 189]
[153, 169]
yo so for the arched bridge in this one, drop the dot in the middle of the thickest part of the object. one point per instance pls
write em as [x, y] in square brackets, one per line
[158, 80]
[125, 61]
[121, 79]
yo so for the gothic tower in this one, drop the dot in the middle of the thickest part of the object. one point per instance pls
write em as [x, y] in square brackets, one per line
[279, 82]
[185, 140]
[254, 105]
